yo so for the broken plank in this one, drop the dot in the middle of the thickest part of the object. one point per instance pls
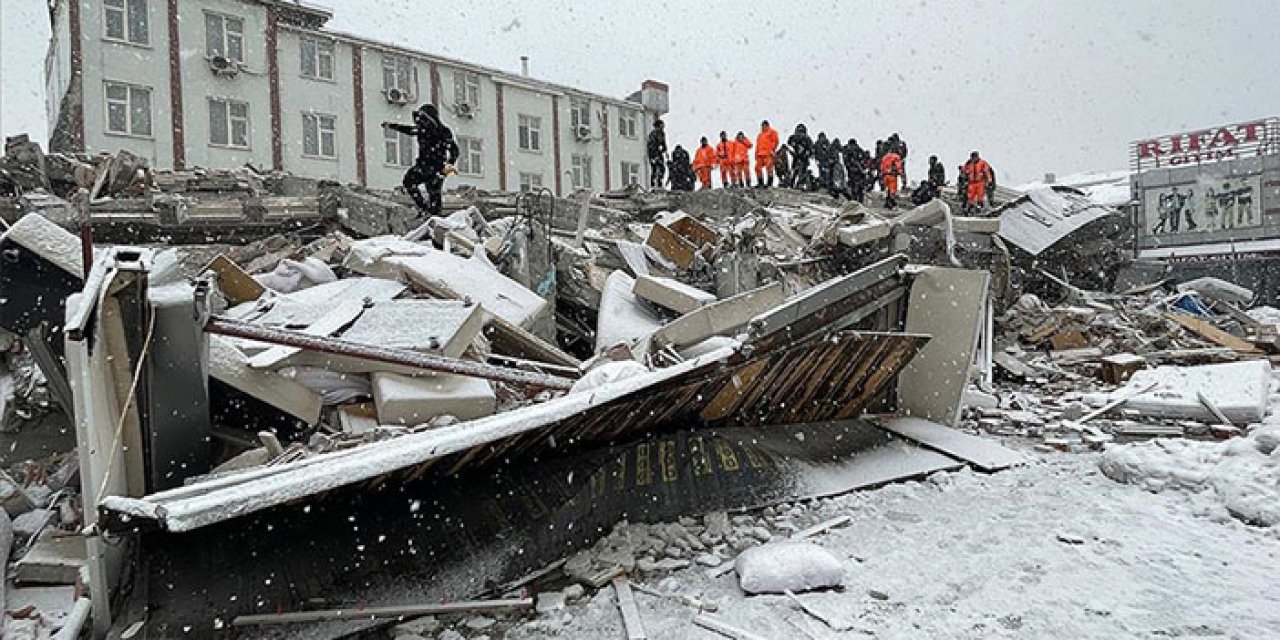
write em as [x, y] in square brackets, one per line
[980, 452]
[817, 615]
[822, 526]
[1212, 333]
[627, 605]
[235, 284]
[385, 613]
[1213, 408]
[717, 625]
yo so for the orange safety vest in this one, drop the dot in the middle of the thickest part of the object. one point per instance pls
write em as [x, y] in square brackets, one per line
[705, 158]
[891, 164]
[978, 172]
[724, 152]
[766, 143]
[738, 151]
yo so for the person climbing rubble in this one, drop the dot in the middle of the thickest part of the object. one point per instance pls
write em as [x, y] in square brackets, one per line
[740, 154]
[802, 151]
[657, 151]
[979, 177]
[681, 172]
[437, 152]
[766, 146]
[704, 160]
[890, 172]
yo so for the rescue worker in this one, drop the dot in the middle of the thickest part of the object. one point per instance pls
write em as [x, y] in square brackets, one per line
[825, 157]
[937, 174]
[801, 151]
[740, 153]
[681, 171]
[657, 151]
[704, 160]
[766, 147]
[962, 188]
[978, 175]
[724, 156]
[895, 143]
[437, 151]
[876, 178]
[855, 165]
[839, 175]
[782, 162]
[890, 171]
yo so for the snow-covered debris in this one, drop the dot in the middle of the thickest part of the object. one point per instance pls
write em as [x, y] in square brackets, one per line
[1243, 474]
[788, 566]
[1238, 389]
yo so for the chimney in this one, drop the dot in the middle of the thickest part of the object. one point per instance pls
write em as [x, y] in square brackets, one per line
[524, 66]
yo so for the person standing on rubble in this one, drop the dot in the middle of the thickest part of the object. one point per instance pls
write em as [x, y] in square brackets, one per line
[681, 171]
[740, 150]
[937, 177]
[437, 151]
[704, 160]
[724, 155]
[801, 150]
[890, 171]
[978, 175]
[896, 144]
[782, 162]
[657, 150]
[825, 156]
[766, 146]
[855, 165]
[839, 175]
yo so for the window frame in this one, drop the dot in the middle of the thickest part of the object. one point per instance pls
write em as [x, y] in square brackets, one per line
[317, 118]
[248, 124]
[319, 46]
[470, 145]
[125, 12]
[629, 124]
[394, 61]
[580, 165]
[623, 166]
[223, 18]
[465, 84]
[579, 108]
[526, 184]
[404, 142]
[529, 133]
[128, 109]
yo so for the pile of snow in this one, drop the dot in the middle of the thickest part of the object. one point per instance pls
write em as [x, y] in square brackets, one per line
[608, 373]
[1243, 474]
[1265, 315]
[788, 566]
[295, 275]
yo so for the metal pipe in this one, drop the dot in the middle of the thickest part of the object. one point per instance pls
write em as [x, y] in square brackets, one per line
[385, 613]
[339, 347]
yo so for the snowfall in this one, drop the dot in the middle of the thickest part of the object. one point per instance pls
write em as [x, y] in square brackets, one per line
[1155, 539]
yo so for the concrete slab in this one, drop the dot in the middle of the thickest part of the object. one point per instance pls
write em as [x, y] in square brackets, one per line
[672, 294]
[718, 318]
[949, 305]
[228, 365]
[1238, 389]
[623, 319]
[412, 401]
[53, 559]
[53, 603]
[980, 452]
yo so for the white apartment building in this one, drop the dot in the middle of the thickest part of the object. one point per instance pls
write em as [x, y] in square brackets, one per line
[222, 83]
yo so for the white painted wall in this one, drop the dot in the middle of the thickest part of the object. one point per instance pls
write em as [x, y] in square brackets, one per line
[299, 95]
[519, 101]
[377, 110]
[57, 66]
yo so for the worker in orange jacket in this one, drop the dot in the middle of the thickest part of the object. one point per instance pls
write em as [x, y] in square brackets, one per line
[704, 160]
[741, 155]
[890, 171]
[766, 146]
[724, 157]
[980, 177]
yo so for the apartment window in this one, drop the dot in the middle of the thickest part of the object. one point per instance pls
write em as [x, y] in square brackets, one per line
[580, 170]
[530, 133]
[396, 74]
[630, 173]
[466, 88]
[628, 124]
[128, 109]
[224, 36]
[399, 148]
[579, 113]
[530, 182]
[470, 156]
[228, 123]
[126, 21]
[317, 58]
[318, 135]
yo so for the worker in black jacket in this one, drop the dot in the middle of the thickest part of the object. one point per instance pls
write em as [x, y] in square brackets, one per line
[682, 176]
[801, 152]
[855, 160]
[825, 154]
[657, 149]
[437, 151]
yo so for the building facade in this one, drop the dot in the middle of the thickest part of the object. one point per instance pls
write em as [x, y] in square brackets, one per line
[222, 83]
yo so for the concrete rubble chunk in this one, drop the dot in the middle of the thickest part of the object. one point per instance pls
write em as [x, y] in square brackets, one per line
[53, 559]
[414, 400]
[228, 365]
[672, 294]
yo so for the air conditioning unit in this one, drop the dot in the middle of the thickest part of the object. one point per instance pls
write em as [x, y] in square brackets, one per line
[464, 110]
[397, 96]
[224, 66]
[582, 132]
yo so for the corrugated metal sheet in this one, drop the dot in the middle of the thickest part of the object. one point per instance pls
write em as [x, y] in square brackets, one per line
[1043, 217]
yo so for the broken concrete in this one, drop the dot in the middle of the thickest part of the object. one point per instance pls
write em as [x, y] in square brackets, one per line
[415, 400]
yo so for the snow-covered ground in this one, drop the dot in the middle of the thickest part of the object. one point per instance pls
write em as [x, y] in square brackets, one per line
[1053, 549]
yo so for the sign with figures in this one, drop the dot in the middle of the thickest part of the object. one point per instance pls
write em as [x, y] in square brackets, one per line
[1206, 205]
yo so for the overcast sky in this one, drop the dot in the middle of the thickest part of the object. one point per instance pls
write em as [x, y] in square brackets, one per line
[1037, 86]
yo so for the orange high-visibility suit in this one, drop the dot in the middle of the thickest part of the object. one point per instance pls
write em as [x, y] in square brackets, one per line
[979, 174]
[890, 169]
[740, 153]
[703, 162]
[724, 156]
[766, 145]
